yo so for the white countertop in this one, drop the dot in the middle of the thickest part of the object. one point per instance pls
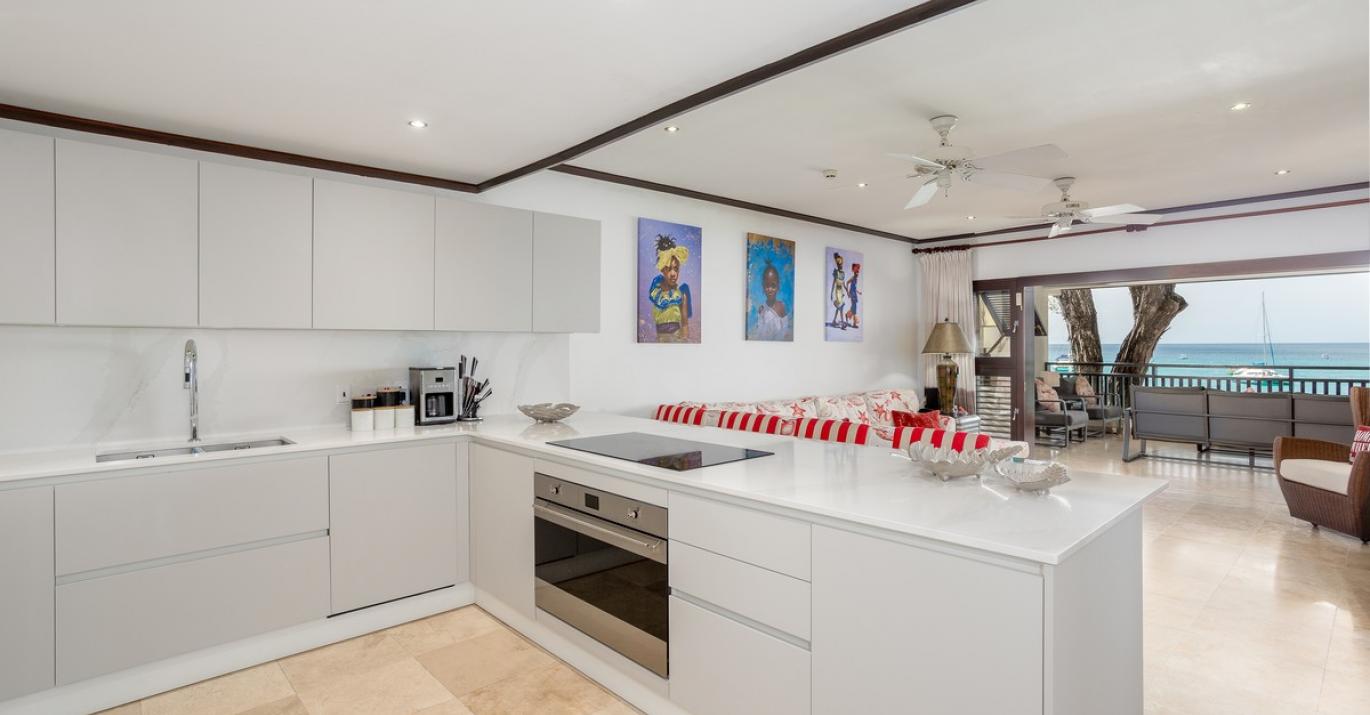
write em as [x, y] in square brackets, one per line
[861, 485]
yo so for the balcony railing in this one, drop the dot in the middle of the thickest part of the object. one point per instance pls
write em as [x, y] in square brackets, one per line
[1287, 378]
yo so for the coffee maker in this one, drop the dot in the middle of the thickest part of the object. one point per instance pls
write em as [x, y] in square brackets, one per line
[433, 390]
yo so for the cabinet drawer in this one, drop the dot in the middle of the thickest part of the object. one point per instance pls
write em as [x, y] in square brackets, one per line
[755, 537]
[774, 599]
[120, 521]
[116, 622]
[721, 667]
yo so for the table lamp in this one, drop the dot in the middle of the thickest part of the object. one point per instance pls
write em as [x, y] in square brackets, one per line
[947, 340]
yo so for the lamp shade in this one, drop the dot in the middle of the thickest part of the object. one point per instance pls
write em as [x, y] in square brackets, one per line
[946, 338]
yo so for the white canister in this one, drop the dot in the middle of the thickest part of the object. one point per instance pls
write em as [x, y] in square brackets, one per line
[363, 419]
[385, 418]
[404, 416]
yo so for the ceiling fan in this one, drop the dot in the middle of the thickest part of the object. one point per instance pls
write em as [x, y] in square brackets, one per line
[1063, 214]
[949, 160]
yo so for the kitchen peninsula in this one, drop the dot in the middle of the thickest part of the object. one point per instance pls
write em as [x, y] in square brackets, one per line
[824, 578]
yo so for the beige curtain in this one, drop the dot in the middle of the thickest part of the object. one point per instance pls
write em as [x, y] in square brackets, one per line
[947, 293]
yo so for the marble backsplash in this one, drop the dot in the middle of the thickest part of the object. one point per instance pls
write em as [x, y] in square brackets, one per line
[69, 386]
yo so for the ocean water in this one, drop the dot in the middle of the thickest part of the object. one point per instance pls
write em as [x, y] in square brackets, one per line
[1314, 360]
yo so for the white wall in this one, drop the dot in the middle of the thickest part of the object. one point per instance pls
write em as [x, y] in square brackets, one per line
[1330, 230]
[611, 371]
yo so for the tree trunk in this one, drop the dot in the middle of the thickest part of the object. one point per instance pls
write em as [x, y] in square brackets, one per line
[1082, 324]
[1153, 308]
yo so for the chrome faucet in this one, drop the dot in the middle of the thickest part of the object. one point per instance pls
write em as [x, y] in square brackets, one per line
[192, 383]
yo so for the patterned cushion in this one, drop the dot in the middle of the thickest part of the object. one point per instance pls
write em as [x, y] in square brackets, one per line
[802, 407]
[880, 404]
[844, 407]
[1051, 400]
[959, 441]
[753, 422]
[931, 420]
[1361, 442]
[731, 406]
[1086, 390]
[686, 415]
[832, 430]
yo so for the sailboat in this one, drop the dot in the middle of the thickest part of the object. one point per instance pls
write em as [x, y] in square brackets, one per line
[1258, 371]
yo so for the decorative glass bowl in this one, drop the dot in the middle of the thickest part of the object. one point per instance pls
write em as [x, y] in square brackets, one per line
[548, 412]
[1032, 476]
[947, 464]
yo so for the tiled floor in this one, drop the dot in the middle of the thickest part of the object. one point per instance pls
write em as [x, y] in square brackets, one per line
[1247, 611]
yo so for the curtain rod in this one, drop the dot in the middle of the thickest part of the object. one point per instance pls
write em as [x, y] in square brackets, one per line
[944, 249]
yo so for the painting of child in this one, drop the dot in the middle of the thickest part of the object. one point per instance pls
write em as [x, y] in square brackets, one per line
[842, 286]
[669, 256]
[770, 288]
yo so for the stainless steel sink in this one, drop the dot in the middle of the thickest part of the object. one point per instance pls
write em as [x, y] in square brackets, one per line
[191, 450]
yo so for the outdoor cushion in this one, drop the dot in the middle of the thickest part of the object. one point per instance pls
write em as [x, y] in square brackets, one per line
[1361, 443]
[1321, 473]
[844, 407]
[755, 422]
[832, 430]
[1086, 390]
[686, 415]
[1050, 401]
[1071, 418]
[881, 404]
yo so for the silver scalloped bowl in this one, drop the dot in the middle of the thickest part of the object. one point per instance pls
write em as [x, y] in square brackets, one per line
[1034, 478]
[947, 464]
[548, 412]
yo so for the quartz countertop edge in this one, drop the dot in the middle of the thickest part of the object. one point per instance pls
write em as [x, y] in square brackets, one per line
[836, 483]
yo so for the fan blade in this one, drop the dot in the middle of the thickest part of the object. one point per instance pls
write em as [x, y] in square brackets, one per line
[1005, 180]
[1021, 158]
[929, 163]
[1031, 219]
[1112, 210]
[924, 194]
[1129, 219]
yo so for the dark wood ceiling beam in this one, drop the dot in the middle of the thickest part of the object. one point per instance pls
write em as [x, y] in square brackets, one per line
[724, 200]
[862, 35]
[124, 131]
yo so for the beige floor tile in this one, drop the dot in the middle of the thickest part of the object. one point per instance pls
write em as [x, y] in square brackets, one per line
[226, 695]
[464, 623]
[551, 689]
[398, 688]
[477, 662]
[134, 708]
[284, 706]
[419, 637]
[355, 656]
[450, 707]
[1344, 694]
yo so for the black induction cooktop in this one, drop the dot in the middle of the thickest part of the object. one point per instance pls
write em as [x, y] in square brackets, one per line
[657, 451]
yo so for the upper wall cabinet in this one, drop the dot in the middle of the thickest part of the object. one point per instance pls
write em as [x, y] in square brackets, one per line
[565, 274]
[373, 257]
[254, 248]
[126, 237]
[483, 262]
[27, 247]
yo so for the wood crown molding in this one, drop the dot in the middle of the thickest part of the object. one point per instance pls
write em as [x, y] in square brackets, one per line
[1312, 263]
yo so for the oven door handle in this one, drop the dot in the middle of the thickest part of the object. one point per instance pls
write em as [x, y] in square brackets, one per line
[607, 532]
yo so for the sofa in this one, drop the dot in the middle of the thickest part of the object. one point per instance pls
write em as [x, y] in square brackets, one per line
[856, 418]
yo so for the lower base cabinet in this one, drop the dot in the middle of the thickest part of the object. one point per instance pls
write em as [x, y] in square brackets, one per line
[722, 667]
[502, 527]
[393, 523]
[114, 622]
[26, 583]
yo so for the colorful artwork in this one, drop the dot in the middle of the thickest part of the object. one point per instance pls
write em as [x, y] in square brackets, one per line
[843, 295]
[668, 281]
[770, 288]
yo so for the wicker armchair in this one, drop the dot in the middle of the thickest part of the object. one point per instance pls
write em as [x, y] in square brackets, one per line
[1348, 513]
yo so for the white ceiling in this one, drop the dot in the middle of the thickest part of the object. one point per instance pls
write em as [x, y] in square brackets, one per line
[1136, 92]
[501, 82]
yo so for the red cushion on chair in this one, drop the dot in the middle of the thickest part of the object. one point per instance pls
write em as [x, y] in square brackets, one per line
[1361, 442]
[915, 419]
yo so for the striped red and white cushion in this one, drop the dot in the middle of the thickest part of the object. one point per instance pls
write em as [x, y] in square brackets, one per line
[753, 422]
[682, 414]
[832, 430]
[959, 441]
[1361, 442]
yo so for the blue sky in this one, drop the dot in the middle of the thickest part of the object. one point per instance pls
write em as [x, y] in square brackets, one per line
[1302, 309]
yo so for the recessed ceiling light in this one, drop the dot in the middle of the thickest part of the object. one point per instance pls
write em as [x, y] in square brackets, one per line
[861, 185]
[970, 218]
[1281, 172]
[1240, 106]
[672, 129]
[417, 123]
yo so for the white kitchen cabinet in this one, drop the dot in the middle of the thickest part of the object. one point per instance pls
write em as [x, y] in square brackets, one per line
[26, 591]
[755, 537]
[27, 245]
[565, 274]
[255, 248]
[125, 619]
[502, 527]
[373, 257]
[126, 237]
[483, 263]
[898, 627]
[767, 597]
[394, 523]
[722, 667]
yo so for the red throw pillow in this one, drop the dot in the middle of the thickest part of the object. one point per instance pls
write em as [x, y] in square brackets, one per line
[1361, 442]
[915, 419]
